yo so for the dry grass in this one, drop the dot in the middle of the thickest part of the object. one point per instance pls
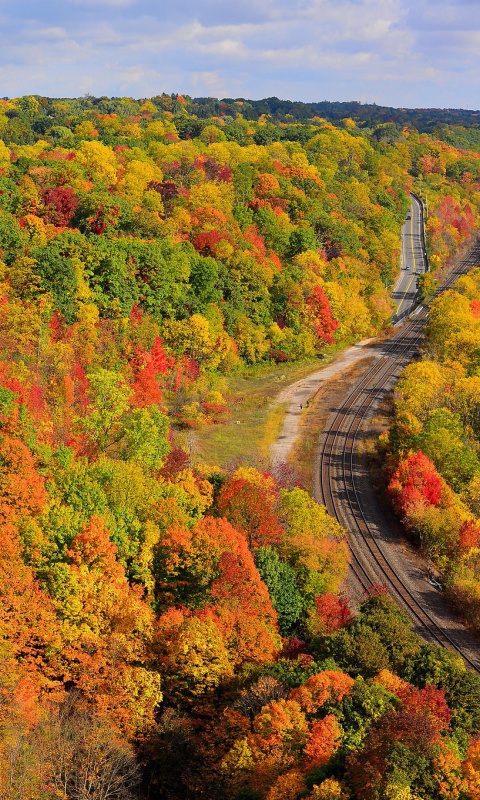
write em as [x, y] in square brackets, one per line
[254, 419]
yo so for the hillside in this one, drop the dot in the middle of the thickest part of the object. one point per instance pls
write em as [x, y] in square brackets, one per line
[170, 628]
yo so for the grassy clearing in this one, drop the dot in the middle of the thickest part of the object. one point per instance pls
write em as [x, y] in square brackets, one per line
[254, 419]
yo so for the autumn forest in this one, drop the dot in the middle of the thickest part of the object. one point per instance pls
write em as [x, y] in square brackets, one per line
[172, 629]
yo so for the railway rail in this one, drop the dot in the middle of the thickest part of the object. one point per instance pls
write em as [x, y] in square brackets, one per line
[339, 472]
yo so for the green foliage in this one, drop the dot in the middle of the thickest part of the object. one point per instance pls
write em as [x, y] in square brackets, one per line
[281, 582]
[380, 638]
[356, 713]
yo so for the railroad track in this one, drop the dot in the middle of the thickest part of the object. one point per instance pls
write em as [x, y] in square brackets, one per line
[339, 473]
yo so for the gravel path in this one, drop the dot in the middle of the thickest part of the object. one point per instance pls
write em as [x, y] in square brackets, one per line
[298, 394]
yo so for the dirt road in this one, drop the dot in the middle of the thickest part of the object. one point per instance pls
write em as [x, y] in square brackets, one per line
[300, 393]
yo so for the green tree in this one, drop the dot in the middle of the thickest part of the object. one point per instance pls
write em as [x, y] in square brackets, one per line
[280, 580]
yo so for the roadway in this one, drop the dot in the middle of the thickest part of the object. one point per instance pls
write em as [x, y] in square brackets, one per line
[413, 260]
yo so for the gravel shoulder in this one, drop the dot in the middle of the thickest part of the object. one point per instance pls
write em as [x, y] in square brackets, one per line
[298, 396]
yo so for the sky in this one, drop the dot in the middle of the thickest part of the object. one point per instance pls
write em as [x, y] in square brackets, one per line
[403, 53]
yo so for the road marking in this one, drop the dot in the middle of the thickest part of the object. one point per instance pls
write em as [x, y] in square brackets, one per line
[405, 293]
[414, 264]
[411, 237]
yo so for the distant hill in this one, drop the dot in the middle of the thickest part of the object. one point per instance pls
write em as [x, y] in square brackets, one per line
[367, 115]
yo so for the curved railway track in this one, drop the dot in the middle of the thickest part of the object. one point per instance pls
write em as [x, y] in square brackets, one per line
[339, 473]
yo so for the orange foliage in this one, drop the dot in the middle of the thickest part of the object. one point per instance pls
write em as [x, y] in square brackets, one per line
[251, 509]
[327, 686]
[324, 741]
[22, 489]
[216, 556]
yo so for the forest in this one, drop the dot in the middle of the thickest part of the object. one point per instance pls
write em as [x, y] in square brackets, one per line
[174, 629]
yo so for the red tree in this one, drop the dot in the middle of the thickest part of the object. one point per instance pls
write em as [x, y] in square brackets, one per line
[331, 613]
[321, 315]
[60, 202]
[146, 366]
[250, 509]
[416, 479]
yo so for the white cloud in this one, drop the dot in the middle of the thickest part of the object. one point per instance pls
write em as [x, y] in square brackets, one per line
[398, 52]
[47, 33]
[209, 81]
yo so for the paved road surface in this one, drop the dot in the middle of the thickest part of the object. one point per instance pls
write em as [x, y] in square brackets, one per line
[413, 260]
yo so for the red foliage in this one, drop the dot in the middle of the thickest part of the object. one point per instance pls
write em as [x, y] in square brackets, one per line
[213, 170]
[250, 509]
[293, 648]
[321, 315]
[60, 202]
[286, 477]
[166, 189]
[253, 237]
[57, 326]
[215, 412]
[136, 315]
[81, 387]
[35, 403]
[186, 370]
[146, 367]
[416, 479]
[176, 461]
[102, 218]
[279, 356]
[469, 535]
[205, 243]
[475, 308]
[331, 613]
[429, 702]
[159, 358]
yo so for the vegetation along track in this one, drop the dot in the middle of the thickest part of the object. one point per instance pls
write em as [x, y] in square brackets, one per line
[340, 482]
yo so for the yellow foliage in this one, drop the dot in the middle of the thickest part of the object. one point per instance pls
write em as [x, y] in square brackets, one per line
[198, 339]
[86, 128]
[137, 176]
[98, 159]
[4, 155]
[256, 478]
[312, 263]
[421, 388]
[196, 494]
[238, 762]
[329, 789]
[219, 195]
[251, 340]
[193, 651]
[391, 682]
[211, 133]
[288, 786]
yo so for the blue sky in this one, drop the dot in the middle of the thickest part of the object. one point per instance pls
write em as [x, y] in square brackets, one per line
[392, 52]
